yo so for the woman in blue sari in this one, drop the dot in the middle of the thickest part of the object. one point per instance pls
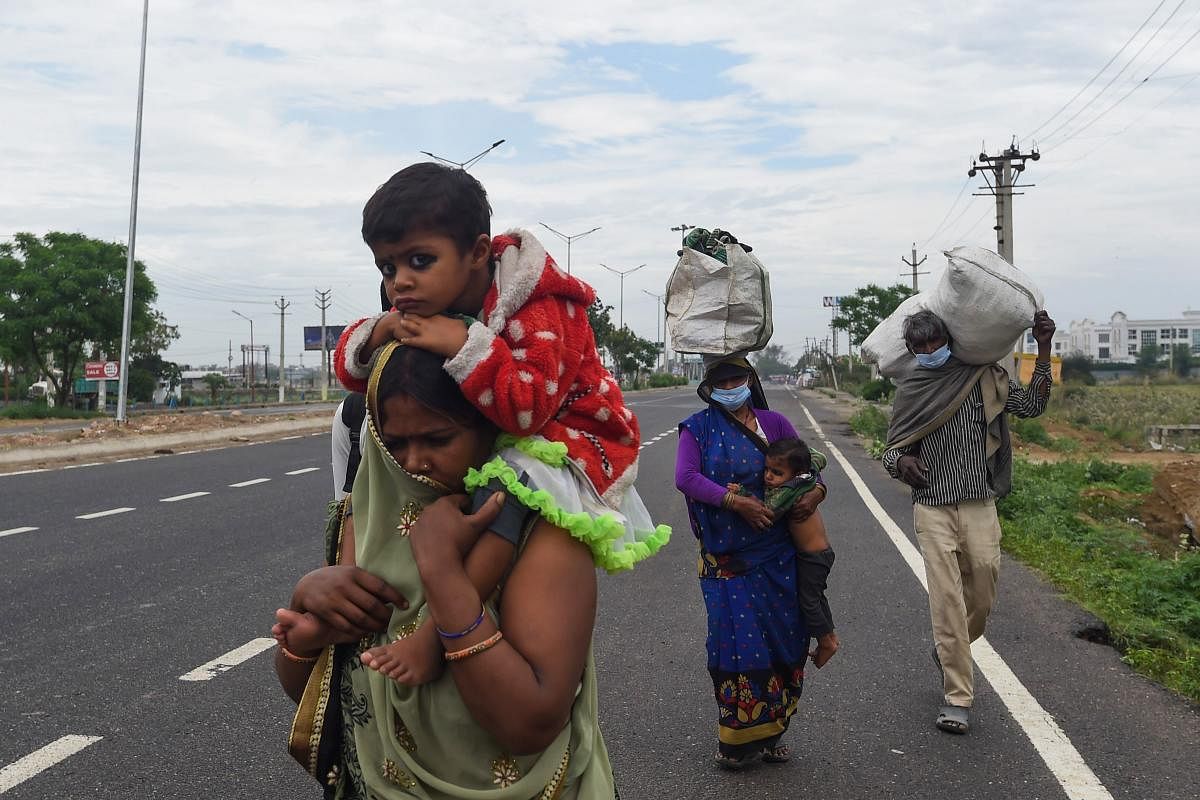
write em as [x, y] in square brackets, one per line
[757, 638]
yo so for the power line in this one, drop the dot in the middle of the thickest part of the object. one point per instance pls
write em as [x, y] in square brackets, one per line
[949, 211]
[1121, 71]
[1116, 55]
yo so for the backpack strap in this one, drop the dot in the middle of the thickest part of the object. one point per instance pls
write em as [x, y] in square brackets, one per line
[354, 411]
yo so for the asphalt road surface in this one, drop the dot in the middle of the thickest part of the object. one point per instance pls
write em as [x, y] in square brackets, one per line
[137, 595]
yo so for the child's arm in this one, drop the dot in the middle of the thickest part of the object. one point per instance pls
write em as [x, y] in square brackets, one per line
[519, 380]
[358, 343]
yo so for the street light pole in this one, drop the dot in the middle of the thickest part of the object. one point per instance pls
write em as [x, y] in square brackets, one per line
[661, 298]
[243, 316]
[683, 229]
[623, 273]
[470, 162]
[127, 315]
[568, 238]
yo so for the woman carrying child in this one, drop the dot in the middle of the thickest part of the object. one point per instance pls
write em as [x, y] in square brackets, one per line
[757, 634]
[514, 713]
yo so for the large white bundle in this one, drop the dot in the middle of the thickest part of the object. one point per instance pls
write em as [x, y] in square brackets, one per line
[986, 303]
[718, 309]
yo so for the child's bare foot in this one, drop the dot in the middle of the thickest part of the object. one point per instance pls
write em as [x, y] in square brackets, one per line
[299, 632]
[412, 661]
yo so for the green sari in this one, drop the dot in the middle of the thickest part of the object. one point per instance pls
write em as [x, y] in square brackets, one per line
[405, 742]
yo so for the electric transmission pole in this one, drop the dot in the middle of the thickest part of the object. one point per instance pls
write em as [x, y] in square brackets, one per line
[282, 306]
[1005, 168]
[323, 302]
[914, 264]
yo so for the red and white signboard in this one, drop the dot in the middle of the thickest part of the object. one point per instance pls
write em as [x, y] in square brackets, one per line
[101, 370]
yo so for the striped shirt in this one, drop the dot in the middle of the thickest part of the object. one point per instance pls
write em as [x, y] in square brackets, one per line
[954, 454]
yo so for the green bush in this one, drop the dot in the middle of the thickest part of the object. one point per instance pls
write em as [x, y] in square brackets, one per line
[660, 380]
[1030, 431]
[878, 389]
[43, 411]
[1072, 522]
[871, 423]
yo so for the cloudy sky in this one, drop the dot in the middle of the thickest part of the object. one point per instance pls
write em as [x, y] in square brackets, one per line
[831, 136]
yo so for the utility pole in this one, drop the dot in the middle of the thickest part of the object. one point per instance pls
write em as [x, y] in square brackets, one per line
[1004, 168]
[243, 316]
[683, 229]
[661, 298]
[323, 303]
[914, 264]
[282, 306]
[568, 238]
[622, 273]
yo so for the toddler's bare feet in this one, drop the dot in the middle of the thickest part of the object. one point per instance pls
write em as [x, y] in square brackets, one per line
[299, 632]
[412, 661]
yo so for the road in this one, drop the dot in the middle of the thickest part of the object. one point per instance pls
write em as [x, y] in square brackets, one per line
[102, 616]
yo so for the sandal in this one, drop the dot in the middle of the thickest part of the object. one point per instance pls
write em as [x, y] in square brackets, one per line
[953, 719]
[734, 764]
[777, 755]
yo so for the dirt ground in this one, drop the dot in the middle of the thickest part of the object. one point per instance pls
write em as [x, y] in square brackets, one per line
[107, 429]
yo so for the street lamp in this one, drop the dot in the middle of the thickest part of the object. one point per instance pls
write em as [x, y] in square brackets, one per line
[663, 338]
[568, 238]
[623, 273]
[464, 165]
[243, 316]
[683, 229]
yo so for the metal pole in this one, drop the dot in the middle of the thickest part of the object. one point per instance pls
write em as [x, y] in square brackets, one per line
[323, 302]
[282, 306]
[127, 316]
[622, 273]
[661, 298]
[568, 238]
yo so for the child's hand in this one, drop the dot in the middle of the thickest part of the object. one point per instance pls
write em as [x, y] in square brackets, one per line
[438, 334]
[827, 645]
[736, 488]
[385, 330]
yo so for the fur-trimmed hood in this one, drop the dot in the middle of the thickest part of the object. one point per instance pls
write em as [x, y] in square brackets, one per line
[525, 271]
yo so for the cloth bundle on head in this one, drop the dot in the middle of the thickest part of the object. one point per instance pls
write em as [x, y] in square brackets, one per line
[712, 243]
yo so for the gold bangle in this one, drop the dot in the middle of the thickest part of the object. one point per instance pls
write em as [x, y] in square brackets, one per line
[290, 656]
[475, 649]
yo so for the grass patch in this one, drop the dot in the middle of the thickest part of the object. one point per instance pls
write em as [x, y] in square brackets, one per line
[1030, 431]
[871, 423]
[40, 411]
[1069, 521]
[1123, 412]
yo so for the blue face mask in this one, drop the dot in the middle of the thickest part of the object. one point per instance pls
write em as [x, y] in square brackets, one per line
[935, 359]
[732, 399]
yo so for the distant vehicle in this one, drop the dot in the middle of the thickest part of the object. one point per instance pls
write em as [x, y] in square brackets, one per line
[41, 391]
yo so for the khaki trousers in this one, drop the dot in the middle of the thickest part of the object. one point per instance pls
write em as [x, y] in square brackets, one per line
[961, 547]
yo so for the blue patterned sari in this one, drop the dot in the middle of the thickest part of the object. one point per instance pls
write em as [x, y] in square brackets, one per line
[757, 639]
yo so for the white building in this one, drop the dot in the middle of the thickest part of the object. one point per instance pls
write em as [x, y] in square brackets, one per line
[1120, 340]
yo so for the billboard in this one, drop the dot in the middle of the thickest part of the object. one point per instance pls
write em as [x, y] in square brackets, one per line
[105, 370]
[312, 336]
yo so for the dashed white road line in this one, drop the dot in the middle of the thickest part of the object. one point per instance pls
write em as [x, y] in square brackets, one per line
[178, 497]
[224, 663]
[42, 759]
[1059, 754]
[80, 466]
[302, 471]
[110, 512]
[12, 531]
[24, 472]
[287, 438]
[251, 482]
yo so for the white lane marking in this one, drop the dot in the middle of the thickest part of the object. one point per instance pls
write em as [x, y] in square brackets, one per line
[42, 759]
[108, 513]
[137, 458]
[81, 466]
[23, 472]
[224, 663]
[178, 497]
[12, 531]
[302, 471]
[321, 433]
[248, 483]
[1056, 750]
[287, 438]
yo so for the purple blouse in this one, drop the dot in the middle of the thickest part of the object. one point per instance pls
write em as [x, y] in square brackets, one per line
[693, 483]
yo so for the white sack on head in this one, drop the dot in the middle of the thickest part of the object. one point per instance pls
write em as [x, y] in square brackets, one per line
[986, 303]
[715, 308]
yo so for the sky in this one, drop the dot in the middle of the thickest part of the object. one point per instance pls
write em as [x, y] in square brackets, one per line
[832, 137]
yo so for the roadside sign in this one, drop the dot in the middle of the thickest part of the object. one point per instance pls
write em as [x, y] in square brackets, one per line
[832, 302]
[101, 370]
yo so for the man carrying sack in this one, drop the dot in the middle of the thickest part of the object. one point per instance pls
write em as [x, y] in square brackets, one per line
[949, 441]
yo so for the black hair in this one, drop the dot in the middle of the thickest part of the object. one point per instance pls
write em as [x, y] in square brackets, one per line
[794, 451]
[419, 374]
[384, 302]
[924, 326]
[428, 197]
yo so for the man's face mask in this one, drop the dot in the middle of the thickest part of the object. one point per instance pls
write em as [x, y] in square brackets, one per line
[935, 359]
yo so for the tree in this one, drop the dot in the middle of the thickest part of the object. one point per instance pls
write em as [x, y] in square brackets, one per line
[1181, 360]
[860, 312]
[63, 295]
[216, 383]
[1077, 368]
[772, 360]
[1147, 360]
[631, 352]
